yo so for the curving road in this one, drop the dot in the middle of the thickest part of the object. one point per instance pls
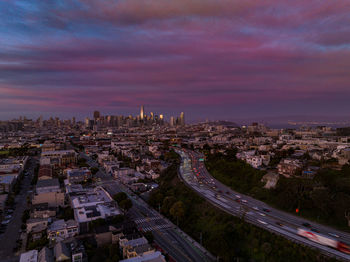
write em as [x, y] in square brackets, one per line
[193, 172]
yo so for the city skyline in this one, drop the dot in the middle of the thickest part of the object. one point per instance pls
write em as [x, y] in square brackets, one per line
[212, 59]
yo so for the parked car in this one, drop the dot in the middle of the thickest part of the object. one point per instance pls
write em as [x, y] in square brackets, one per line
[5, 222]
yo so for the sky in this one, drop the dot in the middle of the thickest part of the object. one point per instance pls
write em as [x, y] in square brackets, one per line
[215, 59]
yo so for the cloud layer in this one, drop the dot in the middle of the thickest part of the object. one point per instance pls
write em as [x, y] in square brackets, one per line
[216, 58]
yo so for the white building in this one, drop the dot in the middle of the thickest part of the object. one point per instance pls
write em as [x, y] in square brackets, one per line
[30, 256]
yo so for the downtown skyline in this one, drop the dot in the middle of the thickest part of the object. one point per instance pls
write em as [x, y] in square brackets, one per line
[211, 59]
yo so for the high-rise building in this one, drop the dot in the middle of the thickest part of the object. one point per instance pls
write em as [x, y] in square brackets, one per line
[172, 121]
[142, 113]
[182, 119]
[40, 121]
[152, 116]
[96, 115]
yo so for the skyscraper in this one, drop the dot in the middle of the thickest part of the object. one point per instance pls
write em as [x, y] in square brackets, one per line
[96, 115]
[142, 113]
[87, 122]
[172, 121]
[182, 119]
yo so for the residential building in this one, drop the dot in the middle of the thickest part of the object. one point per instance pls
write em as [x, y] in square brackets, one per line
[6, 183]
[76, 176]
[60, 230]
[47, 186]
[289, 167]
[149, 257]
[30, 256]
[45, 172]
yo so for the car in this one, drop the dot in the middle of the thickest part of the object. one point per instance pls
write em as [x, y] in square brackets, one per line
[227, 192]
[266, 210]
[238, 196]
[262, 214]
[244, 201]
[279, 224]
[315, 230]
[306, 224]
[333, 235]
[255, 208]
[262, 222]
[8, 217]
[237, 200]
[5, 222]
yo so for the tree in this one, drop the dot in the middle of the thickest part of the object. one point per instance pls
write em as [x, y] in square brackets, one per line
[94, 170]
[149, 236]
[120, 197]
[177, 211]
[168, 202]
[125, 204]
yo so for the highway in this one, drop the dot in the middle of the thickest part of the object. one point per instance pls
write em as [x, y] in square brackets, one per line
[167, 236]
[193, 172]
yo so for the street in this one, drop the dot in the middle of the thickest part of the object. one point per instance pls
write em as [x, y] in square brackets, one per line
[170, 238]
[9, 237]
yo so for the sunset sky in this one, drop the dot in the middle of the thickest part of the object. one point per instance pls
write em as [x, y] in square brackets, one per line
[216, 59]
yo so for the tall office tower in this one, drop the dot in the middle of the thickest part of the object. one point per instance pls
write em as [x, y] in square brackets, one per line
[152, 116]
[87, 122]
[142, 113]
[96, 115]
[57, 121]
[108, 121]
[182, 119]
[40, 120]
[172, 121]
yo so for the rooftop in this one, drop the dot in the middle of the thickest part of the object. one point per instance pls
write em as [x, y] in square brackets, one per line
[48, 183]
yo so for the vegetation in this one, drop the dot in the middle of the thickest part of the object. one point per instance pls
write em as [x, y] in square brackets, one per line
[226, 236]
[109, 221]
[25, 215]
[120, 196]
[325, 199]
[108, 253]
[177, 211]
[149, 236]
[35, 177]
[38, 244]
[10, 200]
[13, 152]
[65, 213]
[123, 201]
[82, 162]
[94, 170]
[125, 204]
